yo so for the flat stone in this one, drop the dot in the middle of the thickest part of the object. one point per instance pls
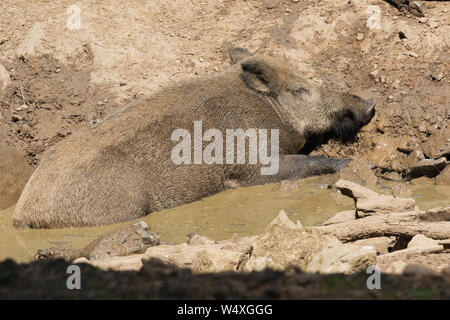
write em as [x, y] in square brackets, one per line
[427, 167]
[346, 258]
[282, 220]
[283, 246]
[130, 239]
[343, 216]
[438, 145]
[369, 202]
[422, 242]
[411, 159]
[128, 263]
[380, 244]
[197, 240]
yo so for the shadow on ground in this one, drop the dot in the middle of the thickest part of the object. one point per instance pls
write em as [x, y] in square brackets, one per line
[48, 280]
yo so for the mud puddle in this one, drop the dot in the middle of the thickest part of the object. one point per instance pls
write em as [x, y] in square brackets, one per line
[245, 211]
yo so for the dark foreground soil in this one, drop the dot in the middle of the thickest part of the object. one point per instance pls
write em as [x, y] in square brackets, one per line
[47, 280]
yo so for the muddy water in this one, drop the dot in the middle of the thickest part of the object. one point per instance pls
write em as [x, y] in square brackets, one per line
[244, 211]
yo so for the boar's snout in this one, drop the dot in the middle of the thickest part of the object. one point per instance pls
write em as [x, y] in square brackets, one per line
[358, 113]
[368, 111]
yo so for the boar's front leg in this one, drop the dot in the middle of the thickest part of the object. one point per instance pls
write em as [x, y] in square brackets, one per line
[291, 167]
[300, 166]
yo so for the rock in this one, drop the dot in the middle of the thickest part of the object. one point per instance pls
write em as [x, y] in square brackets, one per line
[259, 264]
[423, 20]
[437, 75]
[436, 214]
[5, 80]
[418, 270]
[375, 75]
[157, 268]
[282, 220]
[427, 167]
[414, 157]
[14, 174]
[67, 254]
[422, 242]
[216, 260]
[360, 36]
[380, 244]
[285, 185]
[198, 240]
[343, 216]
[283, 248]
[128, 263]
[443, 178]
[346, 258]
[369, 202]
[130, 239]
[283, 245]
[396, 261]
[32, 42]
[384, 152]
[359, 171]
[445, 243]
[433, 24]
[438, 145]
[123, 241]
[220, 257]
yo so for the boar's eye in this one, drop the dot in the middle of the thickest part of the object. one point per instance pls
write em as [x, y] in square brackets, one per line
[349, 114]
[300, 90]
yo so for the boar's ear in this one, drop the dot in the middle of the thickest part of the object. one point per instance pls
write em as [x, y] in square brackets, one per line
[258, 75]
[237, 54]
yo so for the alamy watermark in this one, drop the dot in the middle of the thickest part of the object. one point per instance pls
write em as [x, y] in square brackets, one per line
[235, 147]
[74, 20]
[374, 280]
[74, 280]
